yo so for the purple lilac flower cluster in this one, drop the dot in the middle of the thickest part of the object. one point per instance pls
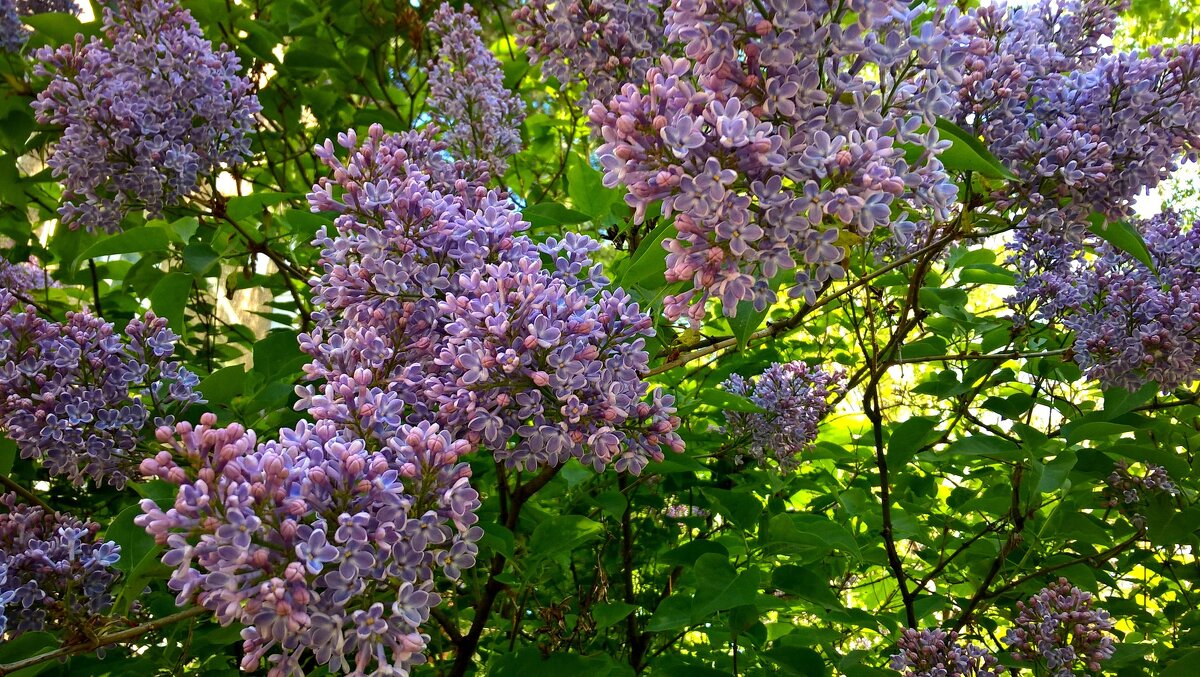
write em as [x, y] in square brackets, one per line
[150, 111]
[433, 307]
[24, 276]
[679, 511]
[937, 653]
[611, 42]
[1126, 487]
[320, 543]
[480, 120]
[768, 135]
[796, 397]
[79, 396]
[1083, 128]
[1059, 628]
[52, 569]
[12, 30]
[1132, 325]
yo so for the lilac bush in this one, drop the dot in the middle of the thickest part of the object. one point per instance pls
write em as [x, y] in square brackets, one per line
[321, 543]
[610, 42]
[765, 138]
[1132, 325]
[12, 30]
[479, 119]
[796, 397]
[54, 570]
[434, 308]
[937, 653]
[80, 397]
[1058, 628]
[149, 113]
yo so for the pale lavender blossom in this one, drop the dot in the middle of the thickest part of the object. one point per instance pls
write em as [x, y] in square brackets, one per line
[937, 653]
[150, 112]
[1059, 629]
[480, 120]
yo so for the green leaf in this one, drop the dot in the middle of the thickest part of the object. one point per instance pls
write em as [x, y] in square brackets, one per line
[727, 401]
[585, 187]
[720, 587]
[981, 445]
[221, 386]
[563, 533]
[739, 507]
[132, 241]
[58, 27]
[801, 582]
[249, 205]
[650, 259]
[672, 613]
[277, 354]
[607, 614]
[200, 259]
[28, 645]
[552, 214]
[907, 438]
[967, 153]
[1122, 236]
[134, 541]
[169, 298]
[8, 455]
[987, 273]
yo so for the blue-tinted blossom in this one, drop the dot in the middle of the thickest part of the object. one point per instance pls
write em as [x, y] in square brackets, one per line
[937, 653]
[479, 119]
[604, 43]
[1132, 325]
[796, 397]
[1058, 628]
[435, 308]
[150, 112]
[82, 398]
[52, 568]
[768, 135]
[324, 545]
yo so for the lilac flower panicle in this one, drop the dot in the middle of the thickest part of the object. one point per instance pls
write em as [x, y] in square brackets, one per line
[82, 398]
[1059, 628]
[480, 120]
[434, 308]
[52, 567]
[796, 397]
[766, 138]
[150, 112]
[325, 546]
[1083, 128]
[12, 30]
[1125, 488]
[937, 653]
[24, 277]
[609, 42]
[1132, 325]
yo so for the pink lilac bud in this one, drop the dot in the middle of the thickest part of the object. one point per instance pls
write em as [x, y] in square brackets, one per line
[82, 398]
[480, 120]
[936, 653]
[796, 397]
[53, 570]
[150, 112]
[1058, 628]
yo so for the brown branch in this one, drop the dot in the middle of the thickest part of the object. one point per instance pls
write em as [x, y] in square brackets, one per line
[980, 356]
[101, 641]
